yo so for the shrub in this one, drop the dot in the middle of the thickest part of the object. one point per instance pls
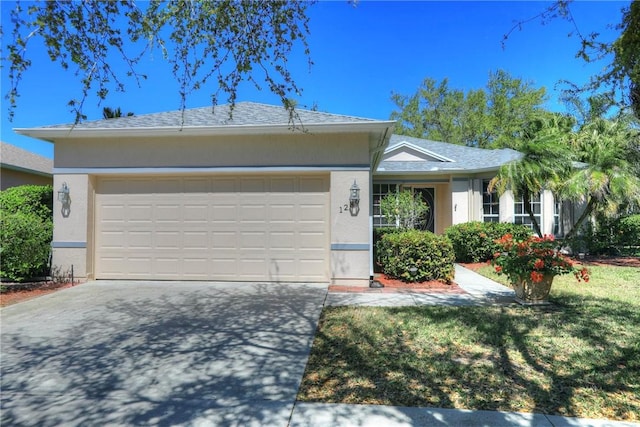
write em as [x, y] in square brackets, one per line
[611, 236]
[26, 240]
[628, 231]
[475, 241]
[25, 231]
[430, 255]
[36, 199]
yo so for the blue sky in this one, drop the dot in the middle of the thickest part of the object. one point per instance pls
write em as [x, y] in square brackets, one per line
[361, 56]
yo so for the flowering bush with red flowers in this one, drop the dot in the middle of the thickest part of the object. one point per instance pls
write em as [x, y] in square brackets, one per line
[533, 258]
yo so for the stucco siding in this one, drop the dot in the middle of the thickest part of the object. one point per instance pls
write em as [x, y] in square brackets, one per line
[350, 232]
[217, 151]
[70, 232]
[12, 178]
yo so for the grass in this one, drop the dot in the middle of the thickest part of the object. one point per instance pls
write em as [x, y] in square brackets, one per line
[579, 357]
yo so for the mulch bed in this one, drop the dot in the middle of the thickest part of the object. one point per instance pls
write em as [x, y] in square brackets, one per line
[13, 293]
[398, 286]
[616, 261]
[612, 260]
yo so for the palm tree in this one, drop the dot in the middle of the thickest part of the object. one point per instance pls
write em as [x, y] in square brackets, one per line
[610, 178]
[546, 161]
[110, 113]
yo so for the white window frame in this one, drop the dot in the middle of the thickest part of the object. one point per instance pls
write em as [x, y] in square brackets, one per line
[523, 217]
[493, 204]
[379, 191]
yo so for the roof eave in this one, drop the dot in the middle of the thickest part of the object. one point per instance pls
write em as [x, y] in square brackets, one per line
[26, 170]
[51, 134]
[439, 171]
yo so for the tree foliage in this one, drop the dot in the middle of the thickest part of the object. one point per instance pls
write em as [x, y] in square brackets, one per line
[609, 181]
[619, 80]
[215, 44]
[113, 113]
[545, 164]
[404, 208]
[491, 117]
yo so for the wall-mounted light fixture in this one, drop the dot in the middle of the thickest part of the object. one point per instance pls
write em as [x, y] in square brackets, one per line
[354, 199]
[354, 195]
[63, 193]
[64, 197]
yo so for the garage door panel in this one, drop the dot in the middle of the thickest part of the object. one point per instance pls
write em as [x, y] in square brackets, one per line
[213, 228]
[140, 240]
[166, 240]
[253, 213]
[224, 213]
[195, 240]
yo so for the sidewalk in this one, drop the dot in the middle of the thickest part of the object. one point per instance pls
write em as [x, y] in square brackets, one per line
[478, 291]
[343, 415]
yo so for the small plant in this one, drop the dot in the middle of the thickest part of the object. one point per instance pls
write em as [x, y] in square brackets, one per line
[405, 209]
[416, 256]
[533, 259]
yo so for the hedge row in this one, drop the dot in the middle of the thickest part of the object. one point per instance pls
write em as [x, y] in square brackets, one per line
[475, 241]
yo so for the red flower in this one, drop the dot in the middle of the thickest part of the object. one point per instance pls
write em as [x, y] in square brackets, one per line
[539, 264]
[536, 276]
[498, 269]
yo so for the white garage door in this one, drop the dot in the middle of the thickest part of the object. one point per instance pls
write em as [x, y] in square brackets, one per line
[249, 228]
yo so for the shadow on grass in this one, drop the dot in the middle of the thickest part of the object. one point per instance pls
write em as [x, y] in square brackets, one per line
[576, 358]
[157, 354]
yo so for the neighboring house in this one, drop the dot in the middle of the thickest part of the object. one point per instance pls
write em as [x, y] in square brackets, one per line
[21, 167]
[200, 195]
[453, 180]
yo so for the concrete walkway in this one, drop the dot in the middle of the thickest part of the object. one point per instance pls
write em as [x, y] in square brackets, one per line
[479, 291]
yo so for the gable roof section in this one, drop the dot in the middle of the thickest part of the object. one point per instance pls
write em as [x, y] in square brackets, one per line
[246, 117]
[15, 158]
[459, 158]
[413, 153]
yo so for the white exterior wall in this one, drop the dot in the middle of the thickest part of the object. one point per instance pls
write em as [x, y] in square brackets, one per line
[507, 210]
[461, 200]
[350, 231]
[70, 233]
[547, 212]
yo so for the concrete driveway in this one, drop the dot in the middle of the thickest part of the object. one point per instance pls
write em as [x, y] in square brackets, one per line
[143, 353]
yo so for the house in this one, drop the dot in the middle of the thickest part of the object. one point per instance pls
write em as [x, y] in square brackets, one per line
[453, 180]
[22, 167]
[213, 194]
[202, 195]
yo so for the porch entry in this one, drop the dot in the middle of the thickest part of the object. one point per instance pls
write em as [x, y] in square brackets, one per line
[428, 196]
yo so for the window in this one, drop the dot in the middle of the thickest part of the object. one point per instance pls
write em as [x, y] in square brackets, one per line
[379, 191]
[522, 217]
[557, 209]
[490, 204]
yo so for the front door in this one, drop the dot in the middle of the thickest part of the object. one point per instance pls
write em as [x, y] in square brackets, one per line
[428, 196]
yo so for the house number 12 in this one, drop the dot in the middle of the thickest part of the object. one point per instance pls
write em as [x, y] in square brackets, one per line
[344, 208]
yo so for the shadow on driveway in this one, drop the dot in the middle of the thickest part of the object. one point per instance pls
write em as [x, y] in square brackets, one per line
[141, 353]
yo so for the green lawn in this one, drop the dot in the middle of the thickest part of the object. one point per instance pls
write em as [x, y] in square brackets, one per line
[578, 357]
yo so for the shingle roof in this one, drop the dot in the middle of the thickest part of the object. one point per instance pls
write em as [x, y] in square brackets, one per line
[16, 158]
[464, 159]
[244, 114]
